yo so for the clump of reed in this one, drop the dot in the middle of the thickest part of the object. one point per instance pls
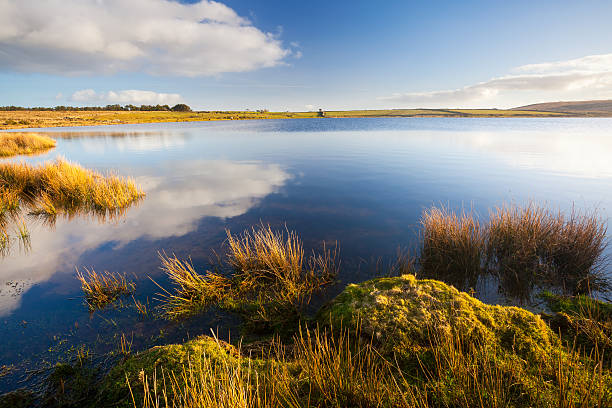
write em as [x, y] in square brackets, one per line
[452, 246]
[264, 275]
[529, 246]
[61, 186]
[102, 289]
[523, 247]
[12, 144]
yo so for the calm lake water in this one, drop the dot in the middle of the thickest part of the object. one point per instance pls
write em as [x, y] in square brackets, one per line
[360, 182]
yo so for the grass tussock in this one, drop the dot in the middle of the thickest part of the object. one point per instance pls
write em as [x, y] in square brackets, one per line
[264, 276]
[523, 247]
[13, 144]
[59, 188]
[64, 187]
[102, 289]
[452, 246]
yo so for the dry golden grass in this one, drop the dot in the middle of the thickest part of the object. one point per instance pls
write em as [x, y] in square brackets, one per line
[532, 245]
[58, 188]
[523, 247]
[452, 246]
[268, 276]
[12, 144]
[102, 289]
[61, 187]
[45, 119]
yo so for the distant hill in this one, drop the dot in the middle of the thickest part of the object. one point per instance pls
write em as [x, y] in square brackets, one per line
[579, 108]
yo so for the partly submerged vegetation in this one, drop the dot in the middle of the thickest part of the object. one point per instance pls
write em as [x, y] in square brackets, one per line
[524, 248]
[102, 289]
[389, 342]
[13, 144]
[58, 188]
[265, 277]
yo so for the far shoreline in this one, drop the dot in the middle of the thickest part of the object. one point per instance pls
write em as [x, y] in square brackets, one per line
[32, 119]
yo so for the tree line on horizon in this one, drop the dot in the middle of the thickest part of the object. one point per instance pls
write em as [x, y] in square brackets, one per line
[181, 107]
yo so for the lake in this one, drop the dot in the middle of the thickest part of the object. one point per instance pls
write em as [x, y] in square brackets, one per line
[360, 182]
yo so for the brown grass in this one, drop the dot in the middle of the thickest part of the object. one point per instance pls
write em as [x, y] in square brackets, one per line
[12, 144]
[529, 246]
[267, 277]
[524, 247]
[62, 187]
[102, 289]
[452, 246]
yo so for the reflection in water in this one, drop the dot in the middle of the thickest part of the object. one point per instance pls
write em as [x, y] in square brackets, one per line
[219, 188]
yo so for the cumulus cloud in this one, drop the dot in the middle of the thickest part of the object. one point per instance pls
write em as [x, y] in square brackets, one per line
[130, 96]
[161, 37]
[588, 77]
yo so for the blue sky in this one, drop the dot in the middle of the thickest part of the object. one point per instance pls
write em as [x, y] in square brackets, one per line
[294, 55]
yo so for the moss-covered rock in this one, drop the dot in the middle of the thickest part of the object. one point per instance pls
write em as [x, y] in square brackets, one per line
[404, 313]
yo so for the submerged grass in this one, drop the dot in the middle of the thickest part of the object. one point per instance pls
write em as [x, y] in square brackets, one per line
[102, 289]
[64, 187]
[267, 278]
[524, 247]
[12, 144]
[59, 188]
[452, 246]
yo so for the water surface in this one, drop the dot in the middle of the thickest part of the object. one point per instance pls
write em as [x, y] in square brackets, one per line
[359, 182]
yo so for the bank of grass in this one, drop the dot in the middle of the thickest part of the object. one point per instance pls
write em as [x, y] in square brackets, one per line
[102, 289]
[40, 119]
[264, 276]
[522, 246]
[62, 187]
[13, 144]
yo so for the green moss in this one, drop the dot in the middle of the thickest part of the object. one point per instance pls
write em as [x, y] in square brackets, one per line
[404, 312]
[577, 305]
[438, 335]
[172, 358]
[581, 319]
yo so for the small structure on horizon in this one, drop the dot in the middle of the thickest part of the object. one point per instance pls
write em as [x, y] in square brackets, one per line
[321, 113]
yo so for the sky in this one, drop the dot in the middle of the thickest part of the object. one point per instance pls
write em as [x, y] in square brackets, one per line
[294, 55]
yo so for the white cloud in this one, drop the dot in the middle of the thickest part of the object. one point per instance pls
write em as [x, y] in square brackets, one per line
[154, 36]
[588, 77]
[130, 96]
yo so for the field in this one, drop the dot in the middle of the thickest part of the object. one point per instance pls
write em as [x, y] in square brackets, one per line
[37, 119]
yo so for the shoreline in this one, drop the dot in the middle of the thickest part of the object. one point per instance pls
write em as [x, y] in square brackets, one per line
[14, 120]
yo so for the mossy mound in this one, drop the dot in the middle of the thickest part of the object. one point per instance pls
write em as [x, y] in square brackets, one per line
[462, 352]
[156, 362]
[403, 313]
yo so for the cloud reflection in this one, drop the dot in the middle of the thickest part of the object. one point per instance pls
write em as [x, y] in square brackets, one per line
[173, 207]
